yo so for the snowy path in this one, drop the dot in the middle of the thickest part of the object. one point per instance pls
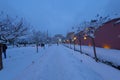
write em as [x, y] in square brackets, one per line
[57, 63]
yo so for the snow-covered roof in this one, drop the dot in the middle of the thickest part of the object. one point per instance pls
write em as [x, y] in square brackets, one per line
[117, 22]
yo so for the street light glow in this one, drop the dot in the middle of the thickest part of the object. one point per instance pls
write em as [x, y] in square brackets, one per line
[85, 37]
[75, 38]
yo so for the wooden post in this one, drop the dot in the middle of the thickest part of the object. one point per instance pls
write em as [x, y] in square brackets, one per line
[1, 63]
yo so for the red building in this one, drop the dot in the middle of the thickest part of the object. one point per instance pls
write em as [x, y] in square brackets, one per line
[106, 36]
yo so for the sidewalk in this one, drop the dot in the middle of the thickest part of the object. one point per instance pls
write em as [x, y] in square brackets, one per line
[58, 64]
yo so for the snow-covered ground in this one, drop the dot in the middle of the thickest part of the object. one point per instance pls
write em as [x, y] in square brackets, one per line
[18, 59]
[110, 55]
[53, 63]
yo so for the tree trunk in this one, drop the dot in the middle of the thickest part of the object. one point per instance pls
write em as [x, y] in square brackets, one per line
[70, 44]
[96, 59]
[80, 45]
[37, 47]
[1, 63]
[13, 44]
[74, 45]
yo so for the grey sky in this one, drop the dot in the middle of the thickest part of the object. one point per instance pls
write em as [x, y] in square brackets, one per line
[58, 16]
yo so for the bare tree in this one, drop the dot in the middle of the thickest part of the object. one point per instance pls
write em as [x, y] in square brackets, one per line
[88, 29]
[10, 30]
[36, 38]
[92, 28]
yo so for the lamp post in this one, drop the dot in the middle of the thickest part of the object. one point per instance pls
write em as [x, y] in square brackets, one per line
[81, 34]
[80, 42]
[70, 42]
[74, 42]
[85, 37]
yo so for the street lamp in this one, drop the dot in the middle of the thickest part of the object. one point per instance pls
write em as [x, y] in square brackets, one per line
[85, 37]
[74, 42]
[67, 41]
[75, 38]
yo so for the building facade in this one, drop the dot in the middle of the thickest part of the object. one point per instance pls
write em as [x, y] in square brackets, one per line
[106, 36]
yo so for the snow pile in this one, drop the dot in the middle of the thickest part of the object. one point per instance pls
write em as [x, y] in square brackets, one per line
[109, 55]
[107, 72]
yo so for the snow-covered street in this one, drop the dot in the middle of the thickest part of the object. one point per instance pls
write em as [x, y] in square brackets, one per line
[53, 63]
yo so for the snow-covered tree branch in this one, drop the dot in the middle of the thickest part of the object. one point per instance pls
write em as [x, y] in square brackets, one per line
[11, 29]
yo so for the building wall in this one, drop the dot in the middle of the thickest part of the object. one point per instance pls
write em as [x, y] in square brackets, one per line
[108, 36]
[87, 41]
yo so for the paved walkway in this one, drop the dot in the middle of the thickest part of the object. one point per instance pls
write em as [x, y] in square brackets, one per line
[58, 63]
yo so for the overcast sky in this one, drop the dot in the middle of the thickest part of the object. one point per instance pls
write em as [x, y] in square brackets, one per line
[58, 16]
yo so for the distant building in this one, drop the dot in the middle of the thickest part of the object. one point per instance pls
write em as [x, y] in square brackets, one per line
[70, 36]
[58, 38]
